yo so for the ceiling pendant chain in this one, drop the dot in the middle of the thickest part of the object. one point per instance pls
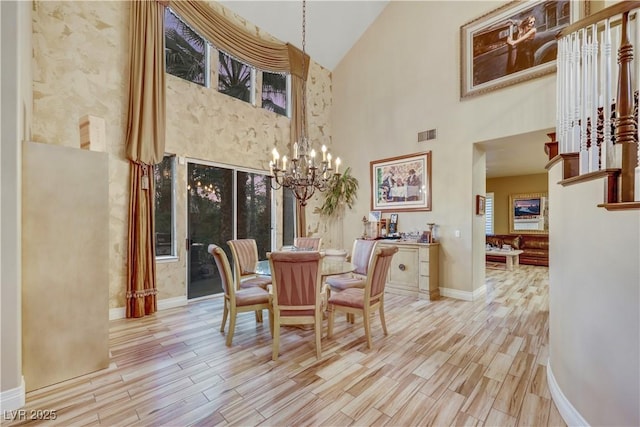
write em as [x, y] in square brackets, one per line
[303, 174]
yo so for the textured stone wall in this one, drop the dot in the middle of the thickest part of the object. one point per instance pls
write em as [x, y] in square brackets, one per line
[81, 67]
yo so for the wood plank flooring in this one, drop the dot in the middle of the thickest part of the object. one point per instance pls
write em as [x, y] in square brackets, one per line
[446, 362]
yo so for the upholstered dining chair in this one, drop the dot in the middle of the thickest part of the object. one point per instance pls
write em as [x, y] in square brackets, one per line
[297, 297]
[365, 300]
[308, 243]
[245, 257]
[237, 301]
[360, 257]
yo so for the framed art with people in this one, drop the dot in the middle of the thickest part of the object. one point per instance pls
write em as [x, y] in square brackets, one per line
[514, 43]
[402, 183]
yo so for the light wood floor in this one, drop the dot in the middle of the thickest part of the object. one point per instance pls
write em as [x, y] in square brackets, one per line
[446, 362]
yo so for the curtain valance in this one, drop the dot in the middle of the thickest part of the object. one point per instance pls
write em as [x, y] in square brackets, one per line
[232, 39]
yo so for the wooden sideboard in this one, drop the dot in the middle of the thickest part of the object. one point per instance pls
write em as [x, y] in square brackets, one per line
[414, 269]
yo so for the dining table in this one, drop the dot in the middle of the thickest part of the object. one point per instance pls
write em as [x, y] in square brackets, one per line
[329, 267]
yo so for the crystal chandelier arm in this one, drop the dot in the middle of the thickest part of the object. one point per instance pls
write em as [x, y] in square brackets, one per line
[305, 173]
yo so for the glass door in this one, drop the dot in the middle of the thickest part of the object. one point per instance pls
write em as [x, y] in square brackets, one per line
[223, 204]
[254, 212]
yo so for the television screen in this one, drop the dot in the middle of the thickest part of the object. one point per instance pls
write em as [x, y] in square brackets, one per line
[524, 208]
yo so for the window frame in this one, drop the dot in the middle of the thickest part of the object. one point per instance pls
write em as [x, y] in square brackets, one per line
[489, 214]
[211, 71]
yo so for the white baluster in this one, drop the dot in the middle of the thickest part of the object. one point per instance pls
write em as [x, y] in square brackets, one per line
[584, 116]
[594, 154]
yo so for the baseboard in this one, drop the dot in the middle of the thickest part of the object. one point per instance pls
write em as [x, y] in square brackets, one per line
[568, 413]
[463, 295]
[163, 304]
[12, 399]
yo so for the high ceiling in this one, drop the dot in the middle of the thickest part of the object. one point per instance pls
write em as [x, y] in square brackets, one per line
[333, 27]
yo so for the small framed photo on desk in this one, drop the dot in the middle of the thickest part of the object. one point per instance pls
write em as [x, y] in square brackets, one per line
[393, 224]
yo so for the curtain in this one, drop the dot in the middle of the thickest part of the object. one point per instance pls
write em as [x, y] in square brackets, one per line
[255, 51]
[147, 115]
[141, 262]
[144, 147]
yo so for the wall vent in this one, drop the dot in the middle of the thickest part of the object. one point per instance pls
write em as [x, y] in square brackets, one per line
[427, 135]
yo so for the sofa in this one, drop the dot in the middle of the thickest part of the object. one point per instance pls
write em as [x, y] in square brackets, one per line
[535, 247]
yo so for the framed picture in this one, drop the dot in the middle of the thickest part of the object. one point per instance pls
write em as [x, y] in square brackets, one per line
[374, 216]
[514, 43]
[393, 223]
[529, 213]
[402, 183]
[480, 204]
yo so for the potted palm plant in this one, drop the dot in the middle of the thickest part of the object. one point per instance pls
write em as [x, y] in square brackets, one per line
[340, 194]
[342, 191]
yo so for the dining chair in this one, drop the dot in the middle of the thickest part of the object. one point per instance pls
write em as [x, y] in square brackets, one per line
[365, 300]
[245, 257]
[360, 257]
[297, 296]
[308, 243]
[237, 301]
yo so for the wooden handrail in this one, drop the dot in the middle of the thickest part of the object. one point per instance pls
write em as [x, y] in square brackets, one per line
[616, 9]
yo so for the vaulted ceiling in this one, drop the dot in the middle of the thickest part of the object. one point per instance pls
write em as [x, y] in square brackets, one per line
[334, 26]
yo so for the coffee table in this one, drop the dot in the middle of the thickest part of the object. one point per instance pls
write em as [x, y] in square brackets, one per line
[512, 256]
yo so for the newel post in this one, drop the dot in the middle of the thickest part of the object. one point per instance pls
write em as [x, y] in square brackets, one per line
[625, 132]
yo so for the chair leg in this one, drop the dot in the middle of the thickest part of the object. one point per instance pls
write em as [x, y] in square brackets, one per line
[271, 323]
[224, 315]
[232, 326]
[276, 339]
[330, 323]
[318, 328]
[366, 319]
[384, 324]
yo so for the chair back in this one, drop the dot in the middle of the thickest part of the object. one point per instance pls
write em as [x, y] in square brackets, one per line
[308, 243]
[361, 255]
[378, 270]
[245, 257]
[222, 262]
[296, 284]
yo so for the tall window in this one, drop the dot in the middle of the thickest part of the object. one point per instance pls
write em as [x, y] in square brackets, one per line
[488, 214]
[163, 174]
[187, 57]
[185, 50]
[235, 78]
[274, 92]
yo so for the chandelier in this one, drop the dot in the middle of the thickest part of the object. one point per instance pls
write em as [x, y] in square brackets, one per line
[302, 173]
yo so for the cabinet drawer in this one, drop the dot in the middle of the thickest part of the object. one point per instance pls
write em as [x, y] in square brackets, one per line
[404, 267]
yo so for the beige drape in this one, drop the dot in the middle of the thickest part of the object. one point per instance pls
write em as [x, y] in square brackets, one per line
[146, 119]
[145, 147]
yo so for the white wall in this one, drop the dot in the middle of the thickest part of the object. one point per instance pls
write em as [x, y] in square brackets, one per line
[15, 42]
[594, 311]
[402, 77]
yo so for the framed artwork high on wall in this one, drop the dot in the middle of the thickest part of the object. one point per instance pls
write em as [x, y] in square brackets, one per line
[513, 43]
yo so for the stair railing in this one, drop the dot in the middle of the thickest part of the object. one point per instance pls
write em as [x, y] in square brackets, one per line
[596, 112]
